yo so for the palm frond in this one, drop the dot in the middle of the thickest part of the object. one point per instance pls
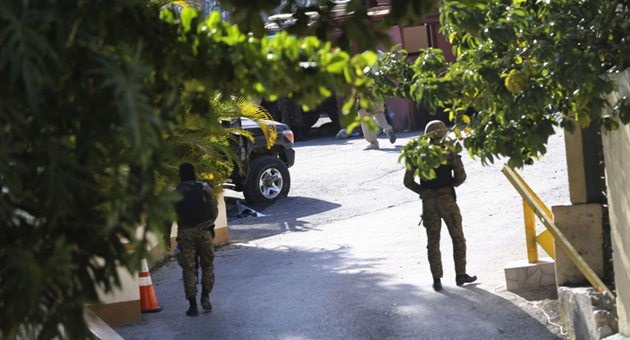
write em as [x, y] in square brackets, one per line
[238, 107]
[206, 144]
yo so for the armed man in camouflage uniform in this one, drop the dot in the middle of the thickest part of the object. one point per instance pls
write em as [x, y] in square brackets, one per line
[439, 203]
[196, 213]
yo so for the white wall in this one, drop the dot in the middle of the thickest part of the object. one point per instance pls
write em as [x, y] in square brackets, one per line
[617, 158]
[128, 291]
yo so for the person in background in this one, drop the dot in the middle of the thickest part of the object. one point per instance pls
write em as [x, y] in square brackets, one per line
[439, 203]
[292, 115]
[379, 117]
[196, 212]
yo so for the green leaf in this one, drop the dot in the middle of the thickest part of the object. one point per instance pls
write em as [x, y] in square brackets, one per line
[370, 58]
[187, 15]
[350, 104]
[167, 15]
[324, 92]
[622, 109]
[337, 63]
[213, 19]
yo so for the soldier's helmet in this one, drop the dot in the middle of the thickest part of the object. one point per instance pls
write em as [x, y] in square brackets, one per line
[437, 129]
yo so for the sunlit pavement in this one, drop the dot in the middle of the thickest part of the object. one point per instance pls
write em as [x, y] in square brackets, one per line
[343, 257]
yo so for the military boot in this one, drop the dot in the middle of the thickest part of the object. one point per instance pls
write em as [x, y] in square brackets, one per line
[373, 146]
[437, 285]
[205, 300]
[391, 135]
[192, 310]
[461, 279]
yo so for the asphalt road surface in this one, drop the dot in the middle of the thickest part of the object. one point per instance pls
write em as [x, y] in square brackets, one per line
[343, 257]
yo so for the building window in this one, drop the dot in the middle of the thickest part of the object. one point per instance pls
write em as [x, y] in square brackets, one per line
[415, 38]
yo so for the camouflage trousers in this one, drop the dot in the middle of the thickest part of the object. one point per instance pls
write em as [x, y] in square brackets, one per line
[438, 205]
[192, 243]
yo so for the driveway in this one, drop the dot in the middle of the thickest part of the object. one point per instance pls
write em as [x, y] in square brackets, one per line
[343, 257]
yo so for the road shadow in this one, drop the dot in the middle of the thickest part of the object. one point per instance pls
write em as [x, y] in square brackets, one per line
[326, 291]
[280, 216]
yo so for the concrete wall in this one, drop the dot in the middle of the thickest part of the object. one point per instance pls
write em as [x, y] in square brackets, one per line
[221, 223]
[575, 165]
[617, 157]
[581, 224]
[98, 327]
[121, 306]
[586, 313]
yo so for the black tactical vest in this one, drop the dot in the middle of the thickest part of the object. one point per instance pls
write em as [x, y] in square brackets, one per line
[192, 209]
[443, 178]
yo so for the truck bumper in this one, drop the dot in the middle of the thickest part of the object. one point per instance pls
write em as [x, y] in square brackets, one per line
[290, 154]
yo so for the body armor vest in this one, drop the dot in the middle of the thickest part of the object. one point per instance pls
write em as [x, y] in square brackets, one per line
[193, 208]
[443, 178]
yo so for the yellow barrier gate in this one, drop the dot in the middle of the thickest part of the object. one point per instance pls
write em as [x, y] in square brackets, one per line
[532, 205]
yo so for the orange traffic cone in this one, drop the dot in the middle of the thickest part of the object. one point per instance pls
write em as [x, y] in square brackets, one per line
[148, 302]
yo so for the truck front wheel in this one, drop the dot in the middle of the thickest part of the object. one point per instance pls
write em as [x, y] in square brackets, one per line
[268, 179]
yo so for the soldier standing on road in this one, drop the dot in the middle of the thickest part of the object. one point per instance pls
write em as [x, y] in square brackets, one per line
[439, 203]
[196, 213]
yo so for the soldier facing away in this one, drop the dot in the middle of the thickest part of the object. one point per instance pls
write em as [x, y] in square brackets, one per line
[196, 213]
[439, 203]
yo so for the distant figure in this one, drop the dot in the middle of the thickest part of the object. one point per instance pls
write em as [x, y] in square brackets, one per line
[196, 213]
[292, 115]
[439, 203]
[381, 121]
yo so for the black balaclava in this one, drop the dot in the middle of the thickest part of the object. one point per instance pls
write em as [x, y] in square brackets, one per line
[186, 172]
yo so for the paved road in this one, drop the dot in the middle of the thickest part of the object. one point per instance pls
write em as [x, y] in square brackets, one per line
[343, 257]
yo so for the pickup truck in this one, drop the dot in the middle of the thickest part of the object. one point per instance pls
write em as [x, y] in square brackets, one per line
[265, 175]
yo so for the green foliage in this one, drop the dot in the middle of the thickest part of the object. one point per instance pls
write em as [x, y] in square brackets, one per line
[89, 92]
[622, 110]
[426, 155]
[207, 147]
[357, 30]
[524, 67]
[228, 61]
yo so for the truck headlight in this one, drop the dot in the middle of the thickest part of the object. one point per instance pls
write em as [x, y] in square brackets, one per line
[288, 134]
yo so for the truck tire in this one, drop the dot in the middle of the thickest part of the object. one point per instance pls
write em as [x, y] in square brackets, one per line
[268, 179]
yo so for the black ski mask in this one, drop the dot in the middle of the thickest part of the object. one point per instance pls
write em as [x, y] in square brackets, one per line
[186, 172]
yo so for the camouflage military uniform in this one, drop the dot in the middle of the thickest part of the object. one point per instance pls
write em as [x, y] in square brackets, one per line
[439, 203]
[196, 240]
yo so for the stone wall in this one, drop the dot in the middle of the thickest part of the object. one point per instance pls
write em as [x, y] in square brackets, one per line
[586, 313]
